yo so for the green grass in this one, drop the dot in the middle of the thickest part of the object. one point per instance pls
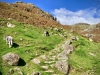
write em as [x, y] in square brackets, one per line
[33, 41]
[34, 44]
[82, 61]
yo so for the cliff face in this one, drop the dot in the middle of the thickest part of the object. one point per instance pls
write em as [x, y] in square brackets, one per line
[27, 13]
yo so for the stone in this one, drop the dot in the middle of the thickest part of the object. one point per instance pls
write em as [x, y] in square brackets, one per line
[49, 62]
[50, 71]
[43, 56]
[62, 56]
[36, 61]
[17, 68]
[68, 48]
[68, 42]
[45, 67]
[62, 65]
[20, 73]
[10, 25]
[90, 39]
[52, 65]
[92, 54]
[75, 38]
[11, 59]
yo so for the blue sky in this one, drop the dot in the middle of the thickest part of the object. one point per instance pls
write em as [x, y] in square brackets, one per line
[69, 11]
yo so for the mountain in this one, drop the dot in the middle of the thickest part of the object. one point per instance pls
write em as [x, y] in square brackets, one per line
[27, 13]
[86, 30]
[40, 54]
[66, 51]
[31, 14]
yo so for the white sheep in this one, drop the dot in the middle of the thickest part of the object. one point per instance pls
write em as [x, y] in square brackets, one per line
[46, 33]
[9, 40]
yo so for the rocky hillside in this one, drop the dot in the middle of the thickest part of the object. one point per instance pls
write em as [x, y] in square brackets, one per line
[29, 44]
[32, 53]
[31, 14]
[63, 52]
[27, 13]
[87, 30]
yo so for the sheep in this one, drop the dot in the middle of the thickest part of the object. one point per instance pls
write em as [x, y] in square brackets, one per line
[9, 40]
[46, 33]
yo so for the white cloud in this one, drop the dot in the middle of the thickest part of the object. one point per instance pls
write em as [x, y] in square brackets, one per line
[91, 16]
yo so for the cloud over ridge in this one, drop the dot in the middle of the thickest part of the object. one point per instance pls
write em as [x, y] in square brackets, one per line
[67, 17]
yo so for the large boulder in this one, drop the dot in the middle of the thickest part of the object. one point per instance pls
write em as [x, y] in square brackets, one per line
[62, 56]
[11, 59]
[62, 65]
[67, 48]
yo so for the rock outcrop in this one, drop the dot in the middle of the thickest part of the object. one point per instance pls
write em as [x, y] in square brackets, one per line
[11, 59]
[62, 65]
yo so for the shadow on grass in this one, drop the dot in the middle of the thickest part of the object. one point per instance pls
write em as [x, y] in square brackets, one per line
[15, 45]
[21, 62]
[0, 73]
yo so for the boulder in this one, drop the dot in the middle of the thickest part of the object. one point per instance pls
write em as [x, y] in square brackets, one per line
[75, 38]
[10, 25]
[62, 56]
[11, 59]
[36, 61]
[45, 67]
[67, 48]
[90, 39]
[68, 42]
[62, 65]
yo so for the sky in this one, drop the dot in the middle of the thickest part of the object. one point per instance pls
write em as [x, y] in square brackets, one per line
[69, 12]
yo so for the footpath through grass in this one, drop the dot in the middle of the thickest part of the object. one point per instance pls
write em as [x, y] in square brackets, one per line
[29, 43]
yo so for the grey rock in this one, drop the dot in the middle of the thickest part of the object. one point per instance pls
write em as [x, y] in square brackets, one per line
[75, 38]
[62, 65]
[36, 61]
[20, 73]
[68, 49]
[68, 42]
[11, 59]
[62, 56]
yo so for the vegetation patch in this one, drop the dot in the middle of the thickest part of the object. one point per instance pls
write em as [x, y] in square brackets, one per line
[85, 57]
[29, 43]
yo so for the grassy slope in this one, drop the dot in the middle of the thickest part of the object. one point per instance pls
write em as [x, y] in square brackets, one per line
[81, 61]
[33, 41]
[86, 58]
